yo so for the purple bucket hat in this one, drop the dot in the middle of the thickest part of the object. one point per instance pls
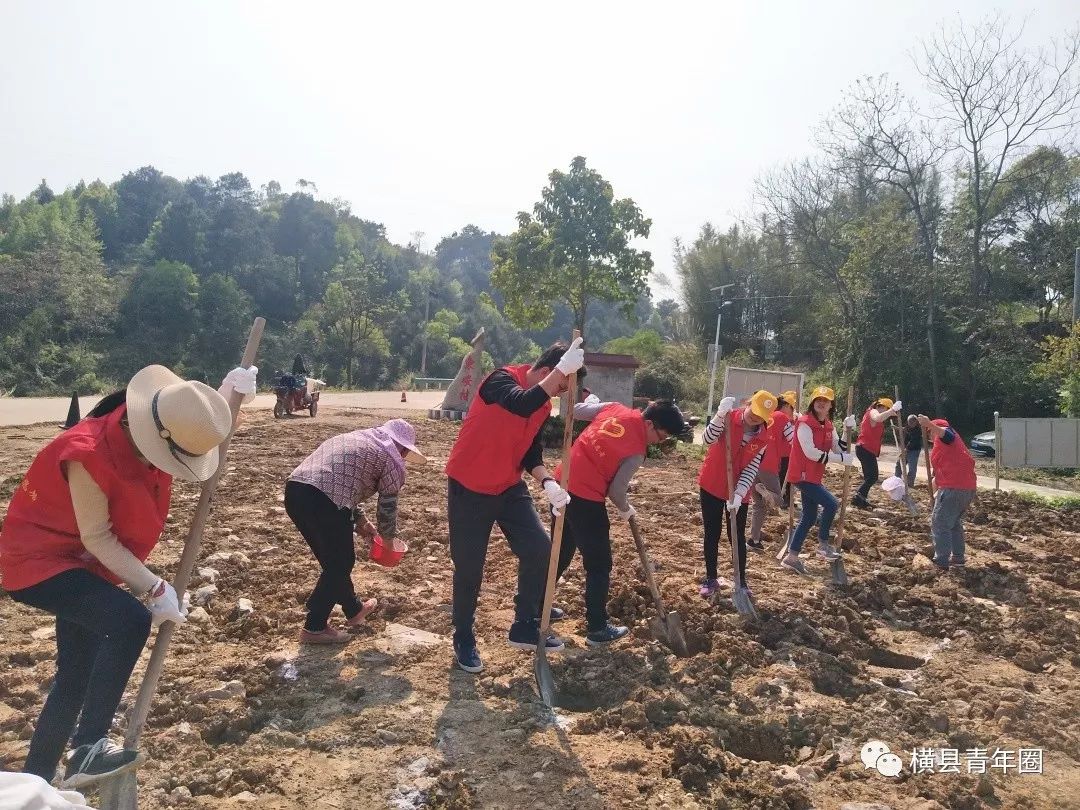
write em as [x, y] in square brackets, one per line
[404, 434]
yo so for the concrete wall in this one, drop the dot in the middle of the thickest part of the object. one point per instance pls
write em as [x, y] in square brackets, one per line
[611, 384]
[1039, 443]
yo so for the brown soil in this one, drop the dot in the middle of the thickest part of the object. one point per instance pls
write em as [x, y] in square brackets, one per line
[767, 714]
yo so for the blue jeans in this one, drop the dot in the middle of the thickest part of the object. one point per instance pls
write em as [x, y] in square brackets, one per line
[100, 632]
[947, 524]
[912, 466]
[814, 497]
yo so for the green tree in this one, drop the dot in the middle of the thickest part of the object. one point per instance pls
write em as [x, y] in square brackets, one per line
[224, 316]
[157, 317]
[646, 345]
[575, 248]
[180, 234]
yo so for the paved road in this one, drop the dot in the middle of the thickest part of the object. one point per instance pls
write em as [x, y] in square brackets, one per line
[34, 410]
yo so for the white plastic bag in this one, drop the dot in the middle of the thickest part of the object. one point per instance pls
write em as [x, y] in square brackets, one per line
[24, 791]
[895, 487]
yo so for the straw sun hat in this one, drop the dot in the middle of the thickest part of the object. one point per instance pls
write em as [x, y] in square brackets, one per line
[177, 425]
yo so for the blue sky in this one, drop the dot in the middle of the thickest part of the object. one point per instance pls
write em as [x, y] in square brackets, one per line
[429, 116]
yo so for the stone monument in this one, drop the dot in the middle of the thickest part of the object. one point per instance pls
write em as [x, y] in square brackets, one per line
[462, 390]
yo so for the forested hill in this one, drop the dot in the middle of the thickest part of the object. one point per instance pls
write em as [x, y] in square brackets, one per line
[102, 279]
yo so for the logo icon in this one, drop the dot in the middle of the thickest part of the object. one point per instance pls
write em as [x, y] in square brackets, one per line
[876, 754]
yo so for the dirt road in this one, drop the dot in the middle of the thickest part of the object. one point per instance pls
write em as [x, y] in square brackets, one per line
[766, 715]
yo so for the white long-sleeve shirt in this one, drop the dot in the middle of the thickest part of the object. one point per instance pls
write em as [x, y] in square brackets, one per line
[715, 429]
[810, 450]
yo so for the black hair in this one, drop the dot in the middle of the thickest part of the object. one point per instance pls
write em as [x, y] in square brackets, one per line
[832, 409]
[108, 404]
[667, 417]
[551, 357]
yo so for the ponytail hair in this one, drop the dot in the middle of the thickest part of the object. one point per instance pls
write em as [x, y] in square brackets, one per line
[108, 404]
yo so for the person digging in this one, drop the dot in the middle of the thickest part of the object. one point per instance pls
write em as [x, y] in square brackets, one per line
[88, 513]
[750, 427]
[604, 459]
[500, 438]
[323, 497]
[768, 492]
[954, 490]
[868, 447]
[816, 444]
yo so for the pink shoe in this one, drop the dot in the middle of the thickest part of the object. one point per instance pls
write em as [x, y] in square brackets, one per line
[366, 608]
[327, 636]
[708, 588]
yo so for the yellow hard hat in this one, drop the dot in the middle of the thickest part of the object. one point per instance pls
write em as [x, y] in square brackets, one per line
[762, 405]
[791, 398]
[823, 392]
[884, 402]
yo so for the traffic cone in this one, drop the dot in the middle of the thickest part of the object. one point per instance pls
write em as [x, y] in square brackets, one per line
[73, 412]
[403, 397]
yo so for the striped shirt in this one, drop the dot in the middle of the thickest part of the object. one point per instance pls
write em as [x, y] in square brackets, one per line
[715, 429]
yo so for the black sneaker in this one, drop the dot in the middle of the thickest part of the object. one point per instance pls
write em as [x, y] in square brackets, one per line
[861, 503]
[758, 546]
[557, 614]
[88, 764]
[524, 636]
[467, 657]
[606, 636]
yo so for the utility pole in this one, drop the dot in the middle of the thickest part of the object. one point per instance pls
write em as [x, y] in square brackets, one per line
[1076, 287]
[716, 345]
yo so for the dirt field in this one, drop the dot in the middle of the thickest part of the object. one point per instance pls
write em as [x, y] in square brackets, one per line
[764, 715]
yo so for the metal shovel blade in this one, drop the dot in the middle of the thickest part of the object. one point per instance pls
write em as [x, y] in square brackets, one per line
[669, 632]
[743, 603]
[839, 574]
[545, 678]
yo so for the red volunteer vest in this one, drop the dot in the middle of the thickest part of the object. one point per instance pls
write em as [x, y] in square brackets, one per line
[487, 455]
[713, 475]
[778, 448]
[616, 433]
[870, 434]
[800, 468]
[954, 468]
[40, 538]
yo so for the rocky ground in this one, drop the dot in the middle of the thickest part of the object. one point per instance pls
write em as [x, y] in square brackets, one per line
[765, 714]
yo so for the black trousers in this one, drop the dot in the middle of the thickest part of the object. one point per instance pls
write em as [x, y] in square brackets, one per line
[869, 470]
[712, 517]
[100, 632]
[471, 516]
[587, 529]
[328, 530]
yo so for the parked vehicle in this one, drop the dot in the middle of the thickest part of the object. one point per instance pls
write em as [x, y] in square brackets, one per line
[296, 392]
[983, 444]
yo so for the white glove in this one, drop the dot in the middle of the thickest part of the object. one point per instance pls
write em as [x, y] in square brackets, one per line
[849, 421]
[847, 459]
[591, 399]
[556, 495]
[164, 606]
[735, 502]
[727, 405]
[242, 381]
[629, 513]
[572, 359]
[897, 406]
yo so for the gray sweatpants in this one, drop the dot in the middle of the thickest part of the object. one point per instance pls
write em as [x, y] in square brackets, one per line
[947, 525]
[757, 518]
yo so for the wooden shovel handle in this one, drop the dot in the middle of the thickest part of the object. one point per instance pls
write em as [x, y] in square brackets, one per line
[557, 533]
[846, 491]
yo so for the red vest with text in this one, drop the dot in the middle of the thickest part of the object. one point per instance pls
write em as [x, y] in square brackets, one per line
[40, 537]
[487, 455]
[616, 433]
[802, 469]
[778, 447]
[870, 434]
[954, 468]
[713, 475]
